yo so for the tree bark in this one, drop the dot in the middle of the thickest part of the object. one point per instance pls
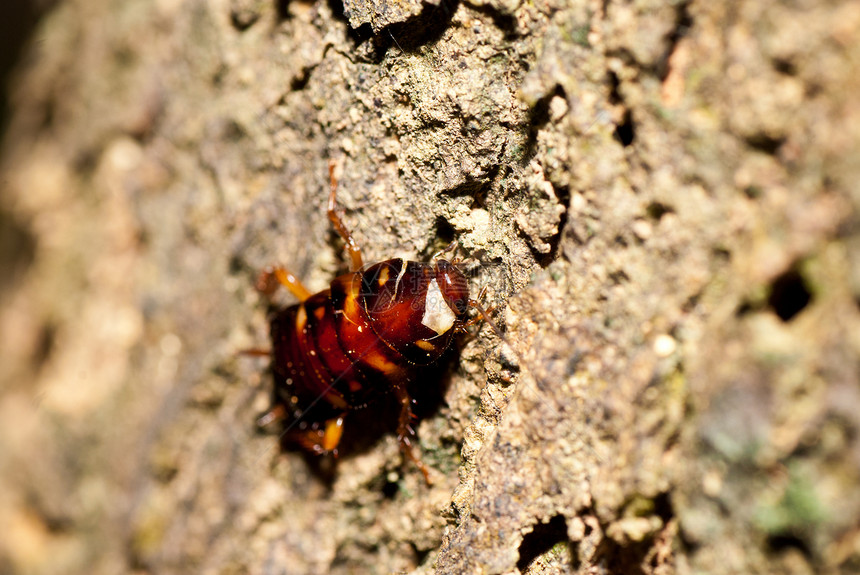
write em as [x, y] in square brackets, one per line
[660, 198]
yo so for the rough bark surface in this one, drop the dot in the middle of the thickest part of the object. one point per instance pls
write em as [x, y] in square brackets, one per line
[663, 201]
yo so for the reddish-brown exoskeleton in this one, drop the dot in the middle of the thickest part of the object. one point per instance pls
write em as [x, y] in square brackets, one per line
[367, 335]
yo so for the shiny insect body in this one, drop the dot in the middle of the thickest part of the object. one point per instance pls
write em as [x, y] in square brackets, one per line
[367, 335]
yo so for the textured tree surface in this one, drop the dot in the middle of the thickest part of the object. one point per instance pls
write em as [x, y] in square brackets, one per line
[661, 199]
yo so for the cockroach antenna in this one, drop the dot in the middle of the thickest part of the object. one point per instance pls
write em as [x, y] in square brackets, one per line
[396, 42]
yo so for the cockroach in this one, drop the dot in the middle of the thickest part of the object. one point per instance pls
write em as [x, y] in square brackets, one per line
[367, 335]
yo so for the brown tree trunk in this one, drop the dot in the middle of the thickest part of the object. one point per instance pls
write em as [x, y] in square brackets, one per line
[661, 199]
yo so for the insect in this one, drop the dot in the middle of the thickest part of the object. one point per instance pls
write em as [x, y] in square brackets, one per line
[367, 335]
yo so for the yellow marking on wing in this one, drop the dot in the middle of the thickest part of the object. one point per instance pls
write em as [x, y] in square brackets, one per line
[383, 276]
[350, 305]
[333, 433]
[425, 345]
[335, 400]
[379, 362]
[301, 318]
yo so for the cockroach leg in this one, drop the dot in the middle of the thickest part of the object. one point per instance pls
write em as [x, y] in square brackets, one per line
[405, 433]
[276, 413]
[256, 352]
[452, 248]
[482, 293]
[475, 320]
[484, 315]
[339, 226]
[273, 276]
